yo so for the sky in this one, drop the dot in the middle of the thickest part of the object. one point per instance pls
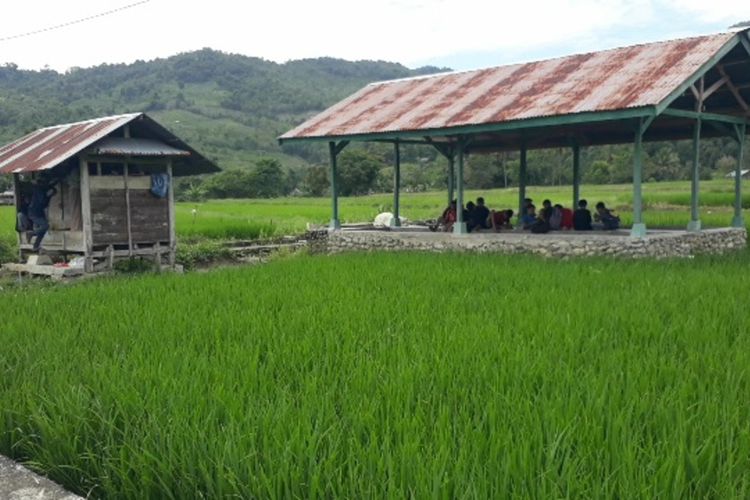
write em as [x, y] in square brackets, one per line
[460, 34]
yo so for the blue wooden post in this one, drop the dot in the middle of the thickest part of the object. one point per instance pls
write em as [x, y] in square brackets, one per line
[738, 220]
[396, 221]
[460, 226]
[695, 219]
[639, 228]
[335, 223]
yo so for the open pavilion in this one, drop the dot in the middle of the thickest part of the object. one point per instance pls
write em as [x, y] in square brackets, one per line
[681, 89]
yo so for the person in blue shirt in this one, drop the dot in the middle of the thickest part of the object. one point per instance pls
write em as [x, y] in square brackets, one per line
[529, 217]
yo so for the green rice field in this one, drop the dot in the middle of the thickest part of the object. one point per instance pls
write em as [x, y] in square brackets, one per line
[667, 205]
[387, 376]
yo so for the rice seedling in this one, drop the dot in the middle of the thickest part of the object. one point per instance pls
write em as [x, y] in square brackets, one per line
[387, 375]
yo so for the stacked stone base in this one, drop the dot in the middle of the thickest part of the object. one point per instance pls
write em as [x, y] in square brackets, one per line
[658, 244]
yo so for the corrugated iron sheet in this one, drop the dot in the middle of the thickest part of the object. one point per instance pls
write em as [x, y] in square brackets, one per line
[610, 80]
[47, 147]
[50, 146]
[135, 146]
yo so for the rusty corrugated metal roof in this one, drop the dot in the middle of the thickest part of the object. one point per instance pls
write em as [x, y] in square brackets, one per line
[135, 147]
[610, 80]
[47, 147]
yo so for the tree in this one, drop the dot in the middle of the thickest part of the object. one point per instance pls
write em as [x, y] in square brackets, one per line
[231, 183]
[316, 181]
[268, 178]
[358, 172]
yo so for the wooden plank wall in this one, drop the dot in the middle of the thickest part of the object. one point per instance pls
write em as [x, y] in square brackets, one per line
[149, 217]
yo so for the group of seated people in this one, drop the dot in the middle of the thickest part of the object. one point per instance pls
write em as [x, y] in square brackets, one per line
[557, 217]
[478, 217]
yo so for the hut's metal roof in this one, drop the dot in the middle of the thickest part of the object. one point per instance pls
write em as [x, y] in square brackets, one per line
[48, 147]
[610, 80]
[131, 146]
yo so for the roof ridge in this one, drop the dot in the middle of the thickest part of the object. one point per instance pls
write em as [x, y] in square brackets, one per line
[92, 120]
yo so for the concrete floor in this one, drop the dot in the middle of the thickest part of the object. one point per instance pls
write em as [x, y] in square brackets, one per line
[19, 483]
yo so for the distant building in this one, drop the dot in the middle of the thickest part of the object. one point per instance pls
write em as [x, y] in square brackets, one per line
[7, 197]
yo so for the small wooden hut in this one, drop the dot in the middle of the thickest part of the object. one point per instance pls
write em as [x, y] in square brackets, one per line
[114, 182]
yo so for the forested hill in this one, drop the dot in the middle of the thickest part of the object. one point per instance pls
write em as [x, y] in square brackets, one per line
[230, 107]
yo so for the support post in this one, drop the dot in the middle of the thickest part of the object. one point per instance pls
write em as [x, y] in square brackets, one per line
[17, 199]
[88, 265]
[172, 228]
[128, 216]
[639, 228]
[335, 224]
[460, 226]
[451, 177]
[576, 175]
[396, 220]
[695, 221]
[738, 220]
[521, 182]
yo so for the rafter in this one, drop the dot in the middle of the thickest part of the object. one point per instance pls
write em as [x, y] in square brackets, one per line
[715, 86]
[735, 92]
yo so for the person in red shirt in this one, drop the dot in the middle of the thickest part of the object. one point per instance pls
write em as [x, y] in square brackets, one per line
[501, 219]
[566, 220]
[447, 219]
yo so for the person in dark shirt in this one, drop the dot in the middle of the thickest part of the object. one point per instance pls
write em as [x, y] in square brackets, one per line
[468, 211]
[41, 194]
[23, 223]
[479, 216]
[608, 220]
[546, 210]
[582, 217]
[541, 224]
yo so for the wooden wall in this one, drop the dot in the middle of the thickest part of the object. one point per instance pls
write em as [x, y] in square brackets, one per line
[149, 215]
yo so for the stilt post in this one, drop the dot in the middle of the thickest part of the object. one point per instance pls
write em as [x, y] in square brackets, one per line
[396, 221]
[738, 220]
[639, 228]
[451, 177]
[460, 226]
[695, 221]
[334, 150]
[576, 174]
[521, 181]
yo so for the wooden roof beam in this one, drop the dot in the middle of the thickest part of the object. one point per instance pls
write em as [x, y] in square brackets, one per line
[734, 90]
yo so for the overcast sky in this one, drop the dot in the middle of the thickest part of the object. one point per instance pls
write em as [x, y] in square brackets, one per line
[462, 34]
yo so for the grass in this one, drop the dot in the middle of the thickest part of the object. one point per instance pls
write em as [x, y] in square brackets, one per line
[387, 375]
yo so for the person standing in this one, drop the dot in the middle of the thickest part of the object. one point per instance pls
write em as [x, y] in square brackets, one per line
[41, 194]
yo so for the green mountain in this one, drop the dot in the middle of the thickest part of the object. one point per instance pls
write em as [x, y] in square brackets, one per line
[230, 107]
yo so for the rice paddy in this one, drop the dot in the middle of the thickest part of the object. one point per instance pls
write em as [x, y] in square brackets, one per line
[387, 375]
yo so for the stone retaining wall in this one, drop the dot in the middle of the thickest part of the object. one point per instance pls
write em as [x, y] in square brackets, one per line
[658, 244]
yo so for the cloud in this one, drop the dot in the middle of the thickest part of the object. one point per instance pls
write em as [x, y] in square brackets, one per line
[409, 31]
